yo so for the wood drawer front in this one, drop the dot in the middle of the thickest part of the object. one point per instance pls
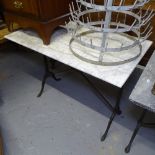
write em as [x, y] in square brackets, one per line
[51, 9]
[27, 7]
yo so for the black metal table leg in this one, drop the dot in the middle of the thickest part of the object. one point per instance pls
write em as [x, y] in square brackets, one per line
[49, 66]
[43, 84]
[139, 124]
[106, 101]
[116, 111]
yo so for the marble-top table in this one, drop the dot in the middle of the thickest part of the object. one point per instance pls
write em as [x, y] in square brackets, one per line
[142, 93]
[59, 50]
[143, 96]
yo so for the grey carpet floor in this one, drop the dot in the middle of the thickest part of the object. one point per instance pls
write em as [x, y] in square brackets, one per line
[69, 118]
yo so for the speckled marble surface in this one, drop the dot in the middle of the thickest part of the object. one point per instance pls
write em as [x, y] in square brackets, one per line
[69, 118]
[142, 94]
[59, 50]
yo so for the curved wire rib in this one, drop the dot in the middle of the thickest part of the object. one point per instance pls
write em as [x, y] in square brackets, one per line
[82, 16]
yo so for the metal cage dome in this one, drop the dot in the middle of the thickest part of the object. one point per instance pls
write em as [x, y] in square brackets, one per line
[102, 33]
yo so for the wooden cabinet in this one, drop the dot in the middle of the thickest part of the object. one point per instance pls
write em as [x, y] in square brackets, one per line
[42, 16]
[24, 7]
[152, 37]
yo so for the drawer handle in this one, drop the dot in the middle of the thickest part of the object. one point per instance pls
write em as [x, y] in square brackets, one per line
[18, 4]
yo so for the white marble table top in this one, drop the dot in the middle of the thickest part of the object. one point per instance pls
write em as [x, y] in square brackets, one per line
[142, 94]
[59, 50]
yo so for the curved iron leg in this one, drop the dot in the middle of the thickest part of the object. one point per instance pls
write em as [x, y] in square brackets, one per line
[52, 67]
[49, 66]
[44, 81]
[115, 111]
[139, 124]
[43, 84]
[109, 125]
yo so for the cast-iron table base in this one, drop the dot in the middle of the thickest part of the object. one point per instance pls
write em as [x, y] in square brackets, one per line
[50, 66]
[140, 123]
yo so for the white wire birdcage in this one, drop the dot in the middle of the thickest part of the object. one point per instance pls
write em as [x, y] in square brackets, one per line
[102, 33]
